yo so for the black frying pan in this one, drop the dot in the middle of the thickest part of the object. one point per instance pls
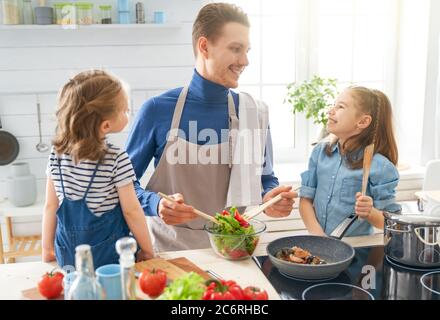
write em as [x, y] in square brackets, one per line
[9, 147]
[335, 252]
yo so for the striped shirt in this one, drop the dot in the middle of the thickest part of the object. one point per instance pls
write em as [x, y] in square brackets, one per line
[114, 171]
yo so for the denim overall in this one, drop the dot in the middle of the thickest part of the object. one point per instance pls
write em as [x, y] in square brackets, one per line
[76, 225]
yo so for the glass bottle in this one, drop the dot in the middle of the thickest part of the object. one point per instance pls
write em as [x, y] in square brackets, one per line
[85, 286]
[28, 12]
[126, 248]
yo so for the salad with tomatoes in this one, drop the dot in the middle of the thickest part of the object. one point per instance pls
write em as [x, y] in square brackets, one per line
[233, 237]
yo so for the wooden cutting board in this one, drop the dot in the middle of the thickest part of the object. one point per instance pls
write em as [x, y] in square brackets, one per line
[174, 268]
[34, 294]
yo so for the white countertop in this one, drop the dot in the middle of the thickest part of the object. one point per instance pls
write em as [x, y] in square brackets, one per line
[16, 277]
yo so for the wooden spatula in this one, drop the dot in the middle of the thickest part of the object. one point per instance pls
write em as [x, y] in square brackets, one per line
[196, 211]
[368, 156]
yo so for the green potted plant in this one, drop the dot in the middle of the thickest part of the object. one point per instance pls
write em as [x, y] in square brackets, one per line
[313, 97]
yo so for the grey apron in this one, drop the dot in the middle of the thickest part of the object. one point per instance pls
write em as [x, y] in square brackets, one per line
[203, 184]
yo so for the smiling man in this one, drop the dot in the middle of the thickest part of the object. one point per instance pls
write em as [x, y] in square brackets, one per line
[211, 146]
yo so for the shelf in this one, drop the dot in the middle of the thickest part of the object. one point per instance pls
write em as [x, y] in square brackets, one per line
[92, 26]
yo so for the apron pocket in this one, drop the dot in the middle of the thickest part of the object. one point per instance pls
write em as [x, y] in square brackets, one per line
[64, 256]
[105, 252]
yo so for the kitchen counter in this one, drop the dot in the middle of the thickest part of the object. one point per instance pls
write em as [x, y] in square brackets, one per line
[16, 277]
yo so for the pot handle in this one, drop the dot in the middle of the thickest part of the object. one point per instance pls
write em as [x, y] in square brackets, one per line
[390, 228]
[417, 232]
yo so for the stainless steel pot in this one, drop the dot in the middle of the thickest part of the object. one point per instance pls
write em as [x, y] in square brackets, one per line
[412, 239]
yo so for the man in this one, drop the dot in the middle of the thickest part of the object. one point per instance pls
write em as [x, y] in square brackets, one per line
[197, 136]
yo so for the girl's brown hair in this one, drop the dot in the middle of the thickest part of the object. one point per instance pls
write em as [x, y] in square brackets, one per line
[380, 131]
[87, 100]
[212, 18]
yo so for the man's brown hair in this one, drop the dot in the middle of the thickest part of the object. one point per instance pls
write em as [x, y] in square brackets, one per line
[212, 18]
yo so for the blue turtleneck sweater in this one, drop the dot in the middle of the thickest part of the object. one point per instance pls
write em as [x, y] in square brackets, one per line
[206, 103]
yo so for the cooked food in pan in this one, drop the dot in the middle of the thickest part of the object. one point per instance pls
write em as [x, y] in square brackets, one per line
[298, 255]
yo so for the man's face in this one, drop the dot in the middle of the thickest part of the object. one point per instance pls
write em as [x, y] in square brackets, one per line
[227, 56]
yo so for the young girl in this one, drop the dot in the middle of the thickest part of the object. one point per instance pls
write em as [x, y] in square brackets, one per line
[330, 188]
[89, 188]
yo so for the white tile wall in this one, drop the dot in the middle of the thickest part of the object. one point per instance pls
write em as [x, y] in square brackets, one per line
[39, 61]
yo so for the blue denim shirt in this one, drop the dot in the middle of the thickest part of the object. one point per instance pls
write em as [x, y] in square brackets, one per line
[332, 186]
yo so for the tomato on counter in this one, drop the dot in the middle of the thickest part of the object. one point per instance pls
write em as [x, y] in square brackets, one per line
[223, 290]
[254, 293]
[153, 282]
[50, 284]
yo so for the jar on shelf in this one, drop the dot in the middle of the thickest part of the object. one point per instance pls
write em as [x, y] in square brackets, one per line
[65, 13]
[28, 12]
[84, 12]
[12, 11]
[21, 185]
[105, 14]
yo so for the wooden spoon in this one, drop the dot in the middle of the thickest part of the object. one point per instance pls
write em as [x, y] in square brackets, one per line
[368, 156]
[196, 211]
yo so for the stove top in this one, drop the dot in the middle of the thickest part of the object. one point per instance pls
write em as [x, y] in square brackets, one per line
[371, 276]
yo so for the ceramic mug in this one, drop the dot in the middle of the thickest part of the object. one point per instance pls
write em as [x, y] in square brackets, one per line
[109, 277]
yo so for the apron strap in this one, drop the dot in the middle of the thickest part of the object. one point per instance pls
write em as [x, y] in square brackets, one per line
[178, 112]
[91, 180]
[233, 128]
[61, 176]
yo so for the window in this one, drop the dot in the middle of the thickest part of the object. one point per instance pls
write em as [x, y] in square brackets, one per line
[353, 41]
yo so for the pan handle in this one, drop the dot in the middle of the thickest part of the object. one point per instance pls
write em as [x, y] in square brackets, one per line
[341, 229]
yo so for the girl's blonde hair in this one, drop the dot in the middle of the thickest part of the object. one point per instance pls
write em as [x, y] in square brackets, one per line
[380, 132]
[87, 100]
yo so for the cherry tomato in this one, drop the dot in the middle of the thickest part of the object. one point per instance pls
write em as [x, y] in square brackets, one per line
[254, 293]
[223, 290]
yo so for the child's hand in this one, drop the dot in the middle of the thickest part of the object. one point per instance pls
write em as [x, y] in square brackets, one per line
[47, 255]
[142, 256]
[363, 206]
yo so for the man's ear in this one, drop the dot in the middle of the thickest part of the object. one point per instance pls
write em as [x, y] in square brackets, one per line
[202, 46]
[364, 121]
[105, 127]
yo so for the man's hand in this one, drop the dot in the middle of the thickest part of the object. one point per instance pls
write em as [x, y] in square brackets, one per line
[363, 206]
[143, 255]
[283, 207]
[178, 212]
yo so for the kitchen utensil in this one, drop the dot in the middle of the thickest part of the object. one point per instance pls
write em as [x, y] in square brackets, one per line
[412, 239]
[345, 225]
[368, 156]
[41, 147]
[256, 211]
[196, 211]
[335, 252]
[9, 147]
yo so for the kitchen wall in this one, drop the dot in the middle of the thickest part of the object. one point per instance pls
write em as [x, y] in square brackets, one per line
[36, 62]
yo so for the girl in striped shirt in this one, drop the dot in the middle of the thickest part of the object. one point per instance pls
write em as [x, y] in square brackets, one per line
[90, 198]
